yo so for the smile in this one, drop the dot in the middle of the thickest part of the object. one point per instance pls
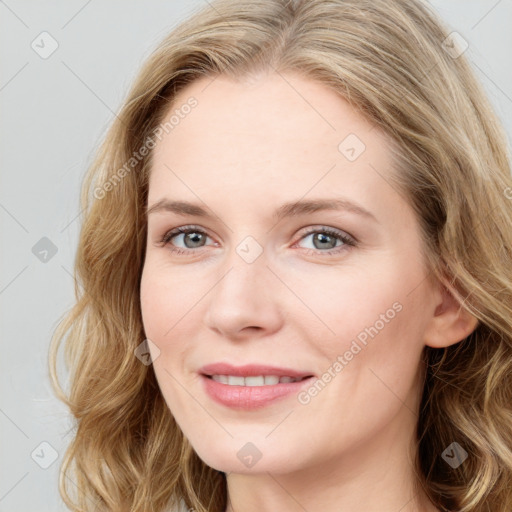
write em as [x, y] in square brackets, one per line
[255, 380]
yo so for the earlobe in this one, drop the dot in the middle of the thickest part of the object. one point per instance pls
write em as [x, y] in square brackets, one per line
[450, 322]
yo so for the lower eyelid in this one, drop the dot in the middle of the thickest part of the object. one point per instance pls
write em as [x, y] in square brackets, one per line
[338, 249]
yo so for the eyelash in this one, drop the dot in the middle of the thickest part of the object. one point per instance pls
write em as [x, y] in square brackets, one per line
[347, 241]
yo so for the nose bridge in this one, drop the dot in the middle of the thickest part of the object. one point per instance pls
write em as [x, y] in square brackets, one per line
[246, 273]
[244, 295]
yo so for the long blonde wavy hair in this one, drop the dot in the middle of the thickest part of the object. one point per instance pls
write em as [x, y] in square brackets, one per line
[391, 61]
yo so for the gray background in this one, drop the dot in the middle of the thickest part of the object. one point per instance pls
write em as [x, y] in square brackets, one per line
[54, 112]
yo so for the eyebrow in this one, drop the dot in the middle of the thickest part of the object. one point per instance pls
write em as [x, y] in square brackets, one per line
[290, 209]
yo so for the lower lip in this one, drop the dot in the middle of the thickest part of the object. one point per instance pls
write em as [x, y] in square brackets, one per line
[251, 397]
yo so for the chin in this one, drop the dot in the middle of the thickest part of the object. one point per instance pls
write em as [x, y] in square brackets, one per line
[245, 457]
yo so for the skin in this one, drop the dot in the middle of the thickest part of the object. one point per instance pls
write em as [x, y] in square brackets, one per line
[244, 150]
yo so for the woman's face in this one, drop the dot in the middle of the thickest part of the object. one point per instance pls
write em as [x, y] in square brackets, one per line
[335, 295]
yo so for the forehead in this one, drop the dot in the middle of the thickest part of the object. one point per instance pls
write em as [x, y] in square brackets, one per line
[286, 111]
[275, 138]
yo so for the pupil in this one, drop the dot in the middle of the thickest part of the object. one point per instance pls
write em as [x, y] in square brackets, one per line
[195, 236]
[322, 237]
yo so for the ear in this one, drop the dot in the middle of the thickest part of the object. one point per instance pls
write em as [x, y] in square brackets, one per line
[450, 323]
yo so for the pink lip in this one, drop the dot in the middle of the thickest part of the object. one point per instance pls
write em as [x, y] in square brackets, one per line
[250, 397]
[249, 370]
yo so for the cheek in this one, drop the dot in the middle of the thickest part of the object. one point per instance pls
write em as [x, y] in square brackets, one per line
[164, 317]
[347, 301]
[161, 309]
[152, 303]
[172, 308]
[167, 300]
[375, 319]
[370, 370]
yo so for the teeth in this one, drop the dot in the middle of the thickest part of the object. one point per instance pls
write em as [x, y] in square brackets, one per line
[253, 380]
[235, 381]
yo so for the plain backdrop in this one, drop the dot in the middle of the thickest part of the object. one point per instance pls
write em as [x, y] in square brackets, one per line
[55, 108]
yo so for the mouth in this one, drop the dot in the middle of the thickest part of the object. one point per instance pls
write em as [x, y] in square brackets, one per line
[251, 386]
[252, 374]
[255, 380]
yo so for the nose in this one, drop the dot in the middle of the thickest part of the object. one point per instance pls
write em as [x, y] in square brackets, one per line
[245, 301]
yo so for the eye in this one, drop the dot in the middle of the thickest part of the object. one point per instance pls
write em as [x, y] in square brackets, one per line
[325, 240]
[192, 237]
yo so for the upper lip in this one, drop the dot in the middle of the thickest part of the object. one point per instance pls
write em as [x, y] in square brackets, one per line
[250, 370]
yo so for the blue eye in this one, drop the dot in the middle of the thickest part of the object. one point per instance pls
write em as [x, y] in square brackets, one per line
[326, 237]
[195, 237]
[199, 235]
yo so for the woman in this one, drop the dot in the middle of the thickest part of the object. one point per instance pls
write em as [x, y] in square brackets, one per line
[294, 273]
